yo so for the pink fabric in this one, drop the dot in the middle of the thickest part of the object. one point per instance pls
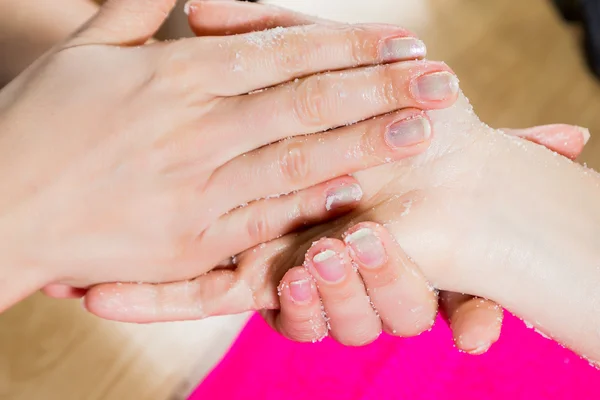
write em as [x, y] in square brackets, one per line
[523, 365]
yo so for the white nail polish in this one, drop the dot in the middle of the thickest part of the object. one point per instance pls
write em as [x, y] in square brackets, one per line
[323, 256]
[405, 48]
[359, 234]
[343, 196]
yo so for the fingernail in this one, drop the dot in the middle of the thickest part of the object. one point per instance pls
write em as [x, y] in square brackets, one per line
[343, 196]
[585, 133]
[436, 86]
[405, 48]
[367, 247]
[300, 291]
[189, 7]
[329, 266]
[408, 132]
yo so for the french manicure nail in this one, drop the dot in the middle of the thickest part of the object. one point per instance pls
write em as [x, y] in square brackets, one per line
[585, 133]
[343, 196]
[189, 6]
[300, 290]
[408, 132]
[329, 266]
[436, 86]
[367, 247]
[404, 48]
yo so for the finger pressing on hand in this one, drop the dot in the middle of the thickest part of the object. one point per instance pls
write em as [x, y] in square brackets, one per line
[301, 162]
[566, 140]
[243, 63]
[249, 285]
[475, 322]
[270, 218]
[404, 300]
[301, 317]
[351, 317]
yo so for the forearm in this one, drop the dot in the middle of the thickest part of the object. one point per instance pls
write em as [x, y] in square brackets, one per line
[551, 275]
[28, 29]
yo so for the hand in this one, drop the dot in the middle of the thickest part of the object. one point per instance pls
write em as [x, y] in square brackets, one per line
[146, 182]
[474, 320]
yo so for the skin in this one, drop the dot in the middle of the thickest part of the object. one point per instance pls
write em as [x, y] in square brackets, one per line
[39, 31]
[29, 29]
[480, 213]
[160, 210]
[467, 314]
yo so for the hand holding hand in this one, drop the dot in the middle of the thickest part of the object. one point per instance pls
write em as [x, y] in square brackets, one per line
[132, 162]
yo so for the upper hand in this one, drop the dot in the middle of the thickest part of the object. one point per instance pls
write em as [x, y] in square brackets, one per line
[124, 161]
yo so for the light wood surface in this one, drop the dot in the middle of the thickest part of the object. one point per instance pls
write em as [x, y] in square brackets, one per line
[518, 63]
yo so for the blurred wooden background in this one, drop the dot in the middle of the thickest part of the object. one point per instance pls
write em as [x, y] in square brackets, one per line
[519, 64]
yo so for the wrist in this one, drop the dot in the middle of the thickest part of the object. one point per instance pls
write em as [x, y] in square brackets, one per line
[550, 270]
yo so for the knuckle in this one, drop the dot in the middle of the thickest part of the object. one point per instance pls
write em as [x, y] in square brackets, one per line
[359, 48]
[294, 163]
[292, 58]
[388, 87]
[258, 227]
[310, 105]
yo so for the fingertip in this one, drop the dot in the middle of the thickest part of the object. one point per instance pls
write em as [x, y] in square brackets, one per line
[324, 244]
[342, 195]
[301, 318]
[585, 133]
[476, 326]
[297, 288]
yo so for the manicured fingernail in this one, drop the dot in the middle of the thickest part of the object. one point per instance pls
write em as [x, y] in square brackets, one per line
[585, 133]
[300, 290]
[329, 266]
[408, 132]
[189, 7]
[343, 196]
[436, 86]
[367, 247]
[405, 48]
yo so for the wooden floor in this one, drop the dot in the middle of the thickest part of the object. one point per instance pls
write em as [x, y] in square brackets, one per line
[519, 64]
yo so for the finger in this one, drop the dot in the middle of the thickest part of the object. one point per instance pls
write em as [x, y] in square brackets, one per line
[404, 300]
[61, 291]
[243, 63]
[475, 322]
[301, 317]
[351, 317]
[178, 301]
[319, 103]
[217, 18]
[250, 286]
[267, 219]
[300, 162]
[567, 140]
[124, 22]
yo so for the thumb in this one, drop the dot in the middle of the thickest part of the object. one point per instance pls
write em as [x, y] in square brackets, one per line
[125, 22]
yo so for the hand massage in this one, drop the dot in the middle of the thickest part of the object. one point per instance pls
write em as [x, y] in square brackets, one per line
[328, 176]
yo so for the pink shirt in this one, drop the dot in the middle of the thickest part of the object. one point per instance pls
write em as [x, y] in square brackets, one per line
[522, 365]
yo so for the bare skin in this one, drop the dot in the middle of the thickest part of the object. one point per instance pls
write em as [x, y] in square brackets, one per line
[480, 213]
[150, 178]
[474, 320]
